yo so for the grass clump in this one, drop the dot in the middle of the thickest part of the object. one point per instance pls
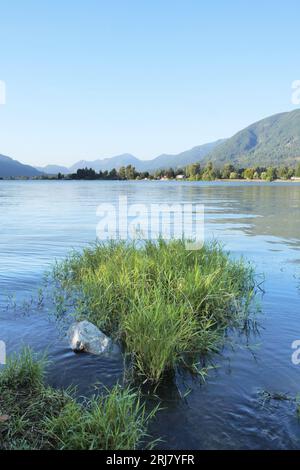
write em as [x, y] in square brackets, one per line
[115, 421]
[36, 416]
[159, 300]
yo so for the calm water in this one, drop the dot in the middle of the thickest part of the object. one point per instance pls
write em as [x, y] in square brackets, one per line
[42, 221]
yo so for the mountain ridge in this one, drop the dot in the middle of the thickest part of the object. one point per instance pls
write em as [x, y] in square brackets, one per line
[272, 141]
[157, 163]
[13, 168]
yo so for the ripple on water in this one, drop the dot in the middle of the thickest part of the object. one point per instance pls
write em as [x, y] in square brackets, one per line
[42, 221]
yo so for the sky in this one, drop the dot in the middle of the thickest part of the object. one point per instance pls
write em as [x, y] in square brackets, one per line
[92, 79]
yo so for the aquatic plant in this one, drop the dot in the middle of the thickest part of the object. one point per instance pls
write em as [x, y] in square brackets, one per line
[159, 300]
[36, 416]
[298, 406]
[266, 396]
[115, 421]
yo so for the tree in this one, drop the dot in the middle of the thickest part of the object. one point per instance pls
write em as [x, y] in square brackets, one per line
[180, 171]
[209, 173]
[113, 174]
[158, 174]
[227, 169]
[248, 174]
[169, 173]
[193, 170]
[86, 173]
[263, 175]
[271, 174]
[130, 172]
[122, 173]
[297, 173]
[283, 172]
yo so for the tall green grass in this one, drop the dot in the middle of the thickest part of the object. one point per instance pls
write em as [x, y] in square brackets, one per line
[34, 416]
[159, 300]
[115, 421]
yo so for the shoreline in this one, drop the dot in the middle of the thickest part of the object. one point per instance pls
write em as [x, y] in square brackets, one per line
[186, 180]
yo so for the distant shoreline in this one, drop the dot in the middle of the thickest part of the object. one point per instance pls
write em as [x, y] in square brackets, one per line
[185, 180]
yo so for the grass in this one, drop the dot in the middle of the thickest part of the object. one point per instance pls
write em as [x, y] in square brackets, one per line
[35, 416]
[267, 397]
[298, 407]
[160, 301]
[116, 421]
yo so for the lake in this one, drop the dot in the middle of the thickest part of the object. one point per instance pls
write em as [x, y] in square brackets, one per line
[41, 221]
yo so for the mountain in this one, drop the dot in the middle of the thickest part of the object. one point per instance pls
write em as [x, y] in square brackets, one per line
[182, 159]
[163, 161]
[271, 141]
[10, 167]
[107, 164]
[53, 169]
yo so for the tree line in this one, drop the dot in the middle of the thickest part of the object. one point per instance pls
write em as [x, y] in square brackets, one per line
[193, 172]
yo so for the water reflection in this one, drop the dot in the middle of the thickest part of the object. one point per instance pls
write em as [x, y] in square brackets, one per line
[42, 221]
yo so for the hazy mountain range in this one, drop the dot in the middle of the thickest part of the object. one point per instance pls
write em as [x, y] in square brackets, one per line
[10, 167]
[271, 141]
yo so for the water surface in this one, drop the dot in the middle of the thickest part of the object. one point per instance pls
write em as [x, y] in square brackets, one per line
[42, 221]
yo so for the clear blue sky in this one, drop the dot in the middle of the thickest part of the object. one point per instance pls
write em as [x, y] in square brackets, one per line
[88, 79]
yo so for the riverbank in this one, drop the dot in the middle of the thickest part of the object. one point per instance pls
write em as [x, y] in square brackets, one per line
[181, 180]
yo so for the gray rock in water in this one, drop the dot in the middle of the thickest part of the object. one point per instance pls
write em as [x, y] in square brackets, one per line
[86, 337]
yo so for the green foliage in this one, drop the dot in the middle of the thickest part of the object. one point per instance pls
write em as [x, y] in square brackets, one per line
[22, 372]
[193, 170]
[249, 173]
[40, 417]
[227, 170]
[130, 172]
[116, 421]
[161, 301]
[271, 174]
[263, 175]
[209, 173]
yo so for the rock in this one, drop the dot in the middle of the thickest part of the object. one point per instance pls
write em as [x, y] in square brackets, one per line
[86, 337]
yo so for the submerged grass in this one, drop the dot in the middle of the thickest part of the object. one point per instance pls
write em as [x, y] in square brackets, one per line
[34, 416]
[160, 301]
